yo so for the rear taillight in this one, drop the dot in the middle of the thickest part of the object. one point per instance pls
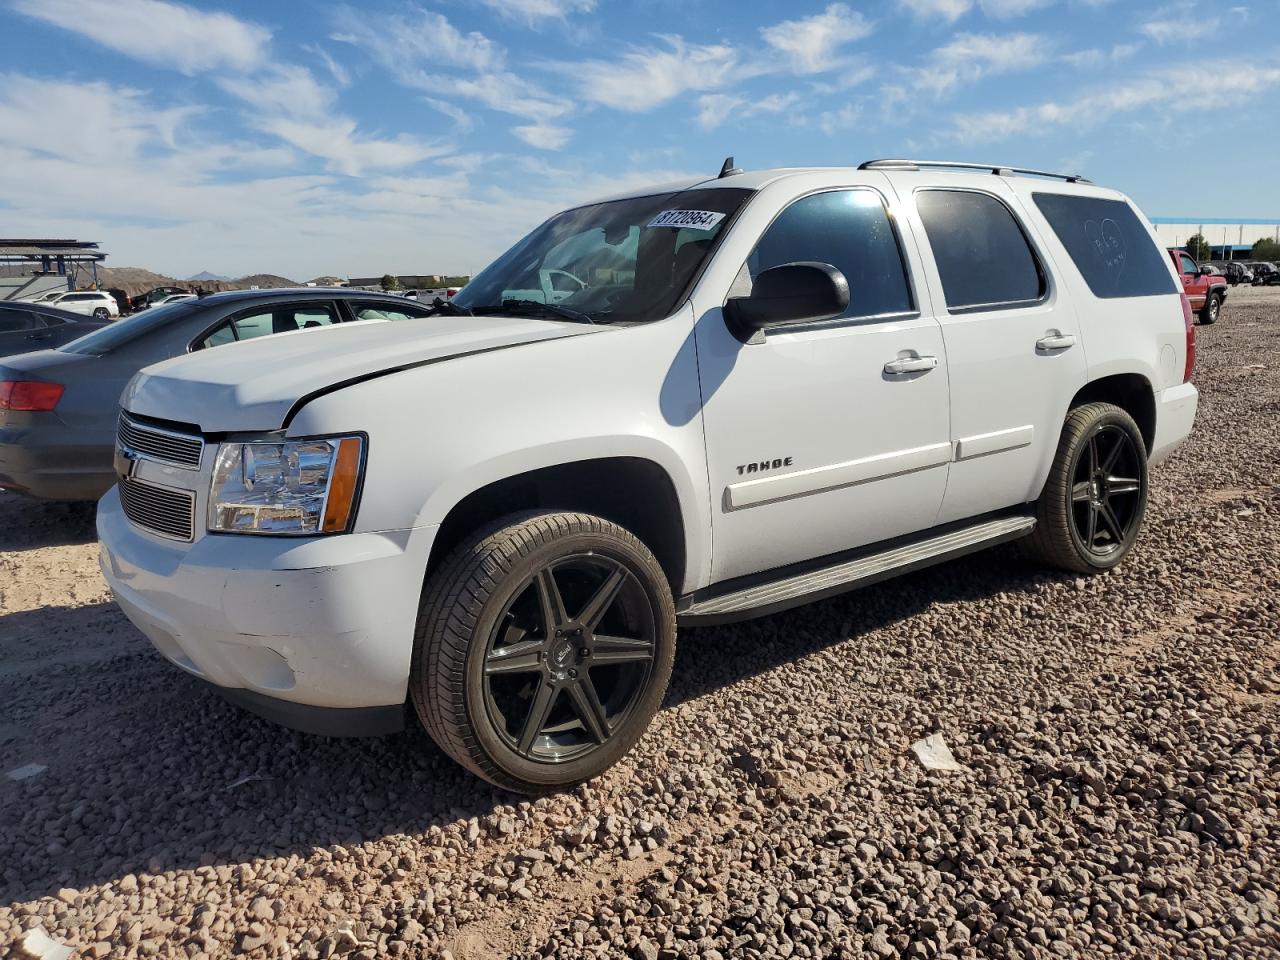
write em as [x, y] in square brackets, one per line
[451, 292]
[29, 395]
[1189, 319]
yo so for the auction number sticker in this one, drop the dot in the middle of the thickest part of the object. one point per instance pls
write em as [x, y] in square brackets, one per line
[688, 219]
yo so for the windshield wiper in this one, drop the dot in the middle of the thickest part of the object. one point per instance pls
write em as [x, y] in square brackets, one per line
[512, 305]
[443, 306]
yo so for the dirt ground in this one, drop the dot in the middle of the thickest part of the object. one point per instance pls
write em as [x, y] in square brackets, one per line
[1121, 736]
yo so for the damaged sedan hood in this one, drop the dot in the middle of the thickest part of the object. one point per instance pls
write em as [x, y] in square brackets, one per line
[255, 384]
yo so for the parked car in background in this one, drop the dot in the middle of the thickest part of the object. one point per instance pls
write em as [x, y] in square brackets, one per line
[144, 300]
[1272, 279]
[122, 300]
[92, 303]
[49, 296]
[25, 327]
[1262, 269]
[428, 295]
[59, 445]
[1205, 290]
[173, 298]
[499, 516]
[1236, 272]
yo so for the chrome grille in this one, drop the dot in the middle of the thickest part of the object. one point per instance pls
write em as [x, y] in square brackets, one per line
[162, 510]
[182, 449]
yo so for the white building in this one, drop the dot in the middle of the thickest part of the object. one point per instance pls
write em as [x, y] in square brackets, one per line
[1229, 239]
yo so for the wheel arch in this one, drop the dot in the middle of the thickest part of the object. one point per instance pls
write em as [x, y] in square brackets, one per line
[633, 491]
[1131, 392]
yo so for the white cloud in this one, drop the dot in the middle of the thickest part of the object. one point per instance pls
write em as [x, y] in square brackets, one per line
[1093, 57]
[1149, 94]
[416, 50]
[533, 11]
[1169, 24]
[417, 41]
[948, 10]
[543, 136]
[1007, 9]
[340, 74]
[282, 89]
[812, 43]
[336, 141]
[971, 56]
[109, 122]
[160, 33]
[462, 120]
[644, 77]
[715, 109]
[838, 121]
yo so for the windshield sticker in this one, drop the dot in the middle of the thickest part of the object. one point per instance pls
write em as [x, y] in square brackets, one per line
[689, 219]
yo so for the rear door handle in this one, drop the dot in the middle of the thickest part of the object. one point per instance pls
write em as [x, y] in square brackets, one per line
[1056, 341]
[910, 365]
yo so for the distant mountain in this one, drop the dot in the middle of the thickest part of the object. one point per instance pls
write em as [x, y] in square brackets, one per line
[206, 275]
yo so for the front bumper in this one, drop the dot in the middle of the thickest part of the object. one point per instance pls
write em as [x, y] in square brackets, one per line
[1175, 415]
[317, 622]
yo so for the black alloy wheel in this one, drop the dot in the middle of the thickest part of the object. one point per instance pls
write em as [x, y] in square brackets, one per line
[544, 645]
[1107, 492]
[569, 657]
[1095, 498]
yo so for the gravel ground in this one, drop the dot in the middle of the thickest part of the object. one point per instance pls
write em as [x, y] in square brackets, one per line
[1121, 736]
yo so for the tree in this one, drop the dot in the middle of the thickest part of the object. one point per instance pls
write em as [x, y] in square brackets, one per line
[390, 282]
[1266, 249]
[1198, 247]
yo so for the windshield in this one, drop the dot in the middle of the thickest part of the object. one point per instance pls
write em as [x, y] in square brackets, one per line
[625, 260]
[117, 334]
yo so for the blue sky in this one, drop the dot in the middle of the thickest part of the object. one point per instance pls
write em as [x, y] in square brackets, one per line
[307, 138]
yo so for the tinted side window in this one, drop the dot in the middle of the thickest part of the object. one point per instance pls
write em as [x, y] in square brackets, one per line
[12, 321]
[850, 230]
[224, 334]
[284, 319]
[1109, 245]
[385, 311]
[982, 254]
[1188, 265]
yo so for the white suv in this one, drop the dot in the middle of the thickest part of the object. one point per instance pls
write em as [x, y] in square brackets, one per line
[686, 405]
[94, 303]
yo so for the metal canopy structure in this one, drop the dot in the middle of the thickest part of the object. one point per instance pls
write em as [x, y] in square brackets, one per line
[35, 258]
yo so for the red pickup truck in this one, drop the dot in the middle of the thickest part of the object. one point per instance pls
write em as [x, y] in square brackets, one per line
[1206, 290]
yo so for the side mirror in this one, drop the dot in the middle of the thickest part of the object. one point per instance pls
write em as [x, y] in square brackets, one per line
[791, 293]
[1205, 271]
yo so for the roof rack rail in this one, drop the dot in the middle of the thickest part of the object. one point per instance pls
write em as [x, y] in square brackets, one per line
[995, 168]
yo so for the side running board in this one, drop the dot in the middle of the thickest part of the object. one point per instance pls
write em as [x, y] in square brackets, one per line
[774, 596]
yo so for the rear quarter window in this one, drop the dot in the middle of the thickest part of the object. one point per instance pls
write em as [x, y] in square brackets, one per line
[1109, 245]
[984, 259]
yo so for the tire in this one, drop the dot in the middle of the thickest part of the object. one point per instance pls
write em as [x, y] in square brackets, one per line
[101, 313]
[490, 647]
[1072, 494]
[1209, 312]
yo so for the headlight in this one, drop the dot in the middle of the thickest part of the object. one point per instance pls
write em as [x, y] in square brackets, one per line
[297, 487]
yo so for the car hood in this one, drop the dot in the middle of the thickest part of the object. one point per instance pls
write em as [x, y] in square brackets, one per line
[254, 385]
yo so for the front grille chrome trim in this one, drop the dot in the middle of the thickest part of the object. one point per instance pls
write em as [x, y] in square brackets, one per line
[165, 511]
[156, 443]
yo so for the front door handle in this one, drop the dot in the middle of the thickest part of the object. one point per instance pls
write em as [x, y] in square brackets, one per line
[910, 365]
[1055, 341]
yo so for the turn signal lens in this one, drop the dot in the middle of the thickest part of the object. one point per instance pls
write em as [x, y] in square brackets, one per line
[342, 486]
[33, 396]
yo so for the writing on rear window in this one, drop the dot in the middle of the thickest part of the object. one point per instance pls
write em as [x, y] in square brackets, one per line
[1109, 245]
[689, 219]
